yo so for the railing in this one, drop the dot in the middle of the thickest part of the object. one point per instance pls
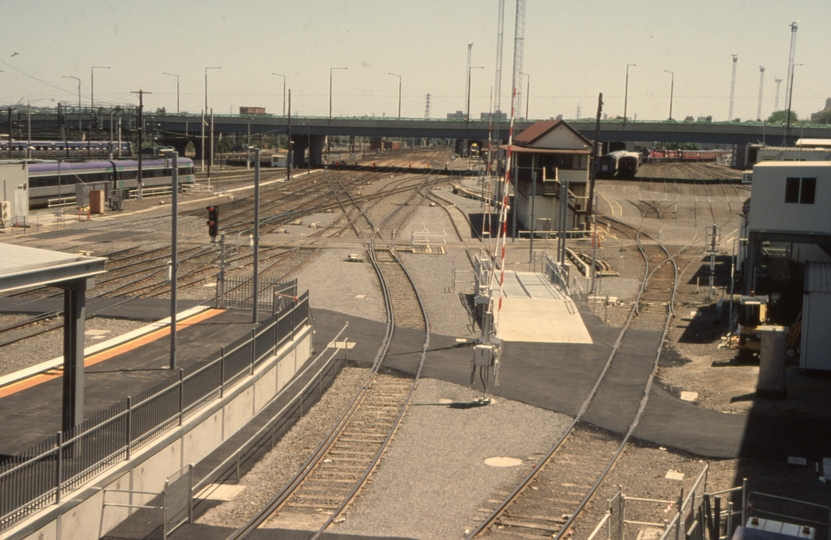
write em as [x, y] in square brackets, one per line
[42, 474]
[238, 292]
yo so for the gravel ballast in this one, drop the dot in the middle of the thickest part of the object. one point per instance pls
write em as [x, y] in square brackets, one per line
[430, 486]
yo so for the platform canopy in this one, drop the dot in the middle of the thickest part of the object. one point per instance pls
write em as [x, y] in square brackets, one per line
[22, 266]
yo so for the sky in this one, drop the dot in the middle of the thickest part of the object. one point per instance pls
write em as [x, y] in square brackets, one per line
[573, 50]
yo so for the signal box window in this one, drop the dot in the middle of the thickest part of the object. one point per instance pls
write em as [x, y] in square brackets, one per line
[800, 190]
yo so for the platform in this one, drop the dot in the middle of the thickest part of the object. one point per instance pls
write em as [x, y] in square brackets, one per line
[534, 310]
[30, 401]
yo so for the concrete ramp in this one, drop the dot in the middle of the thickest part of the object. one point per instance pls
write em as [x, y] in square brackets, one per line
[534, 310]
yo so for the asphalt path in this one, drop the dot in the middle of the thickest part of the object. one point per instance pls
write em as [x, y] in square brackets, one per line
[558, 377]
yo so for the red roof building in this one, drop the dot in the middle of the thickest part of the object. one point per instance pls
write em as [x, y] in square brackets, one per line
[552, 153]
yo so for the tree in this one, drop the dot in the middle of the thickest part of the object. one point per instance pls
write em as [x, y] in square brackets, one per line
[781, 117]
[161, 110]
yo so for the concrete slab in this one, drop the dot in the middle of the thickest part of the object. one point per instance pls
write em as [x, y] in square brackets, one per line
[534, 310]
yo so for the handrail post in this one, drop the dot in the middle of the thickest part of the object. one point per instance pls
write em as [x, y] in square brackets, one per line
[59, 469]
[729, 519]
[129, 433]
[744, 502]
[181, 394]
[253, 350]
[221, 372]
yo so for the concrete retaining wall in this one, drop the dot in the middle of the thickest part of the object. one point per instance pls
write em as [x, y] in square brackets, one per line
[82, 515]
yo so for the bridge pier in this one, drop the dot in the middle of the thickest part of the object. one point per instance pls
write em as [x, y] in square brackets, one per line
[302, 152]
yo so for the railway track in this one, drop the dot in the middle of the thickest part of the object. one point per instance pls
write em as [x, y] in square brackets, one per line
[341, 465]
[549, 499]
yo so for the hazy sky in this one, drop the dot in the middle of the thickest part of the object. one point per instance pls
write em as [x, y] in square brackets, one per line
[574, 49]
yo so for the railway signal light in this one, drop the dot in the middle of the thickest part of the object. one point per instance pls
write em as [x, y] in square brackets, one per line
[213, 221]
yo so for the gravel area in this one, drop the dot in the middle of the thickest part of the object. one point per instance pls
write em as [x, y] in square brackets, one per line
[273, 471]
[346, 287]
[432, 486]
[37, 349]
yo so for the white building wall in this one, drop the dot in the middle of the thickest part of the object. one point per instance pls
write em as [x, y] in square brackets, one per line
[768, 209]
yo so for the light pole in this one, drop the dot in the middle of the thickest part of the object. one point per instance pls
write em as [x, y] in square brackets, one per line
[284, 91]
[206, 86]
[790, 100]
[177, 88]
[527, 94]
[469, 88]
[626, 92]
[79, 98]
[399, 93]
[330, 89]
[671, 92]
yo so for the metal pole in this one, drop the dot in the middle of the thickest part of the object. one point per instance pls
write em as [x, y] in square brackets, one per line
[177, 88]
[174, 256]
[256, 235]
[467, 93]
[527, 95]
[290, 153]
[399, 93]
[671, 91]
[626, 93]
[202, 161]
[732, 88]
[533, 203]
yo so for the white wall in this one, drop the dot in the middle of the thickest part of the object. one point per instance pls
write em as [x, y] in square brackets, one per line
[768, 209]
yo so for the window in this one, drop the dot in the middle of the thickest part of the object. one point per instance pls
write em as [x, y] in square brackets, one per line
[800, 190]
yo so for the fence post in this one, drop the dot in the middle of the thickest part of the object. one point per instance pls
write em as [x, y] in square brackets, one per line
[129, 425]
[181, 394]
[59, 469]
[716, 517]
[293, 311]
[681, 520]
[744, 502]
[253, 351]
[620, 509]
[221, 372]
[729, 519]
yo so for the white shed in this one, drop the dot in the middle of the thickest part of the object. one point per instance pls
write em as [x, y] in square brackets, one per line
[791, 196]
[815, 352]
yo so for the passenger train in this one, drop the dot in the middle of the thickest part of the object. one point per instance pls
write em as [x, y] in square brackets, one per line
[621, 164]
[63, 148]
[51, 180]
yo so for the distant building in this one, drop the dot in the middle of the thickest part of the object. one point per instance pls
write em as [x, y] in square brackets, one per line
[496, 115]
[458, 115]
[251, 110]
[823, 115]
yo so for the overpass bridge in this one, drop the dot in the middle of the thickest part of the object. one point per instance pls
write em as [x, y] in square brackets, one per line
[179, 129]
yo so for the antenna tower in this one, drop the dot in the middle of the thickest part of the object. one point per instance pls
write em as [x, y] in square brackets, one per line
[761, 86]
[732, 88]
[788, 80]
[427, 108]
[519, 48]
[776, 104]
[497, 87]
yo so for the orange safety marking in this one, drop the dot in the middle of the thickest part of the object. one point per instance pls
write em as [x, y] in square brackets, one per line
[96, 358]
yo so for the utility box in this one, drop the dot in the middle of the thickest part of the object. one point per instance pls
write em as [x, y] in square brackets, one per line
[97, 201]
[772, 360]
[816, 312]
[483, 355]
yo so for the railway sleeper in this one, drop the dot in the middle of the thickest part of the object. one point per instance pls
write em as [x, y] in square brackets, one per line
[310, 505]
[527, 525]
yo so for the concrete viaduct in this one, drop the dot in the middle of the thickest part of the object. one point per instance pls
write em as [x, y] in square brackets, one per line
[180, 129]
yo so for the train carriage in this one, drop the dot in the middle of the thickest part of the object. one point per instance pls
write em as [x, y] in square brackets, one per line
[55, 180]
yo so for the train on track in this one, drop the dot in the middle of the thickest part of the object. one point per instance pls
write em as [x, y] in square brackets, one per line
[620, 164]
[57, 180]
[41, 149]
[692, 156]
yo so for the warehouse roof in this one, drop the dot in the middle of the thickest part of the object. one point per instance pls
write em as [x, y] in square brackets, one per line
[22, 266]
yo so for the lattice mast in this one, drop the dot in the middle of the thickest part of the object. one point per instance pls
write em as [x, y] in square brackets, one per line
[500, 27]
[519, 48]
[761, 87]
[732, 88]
[792, 54]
